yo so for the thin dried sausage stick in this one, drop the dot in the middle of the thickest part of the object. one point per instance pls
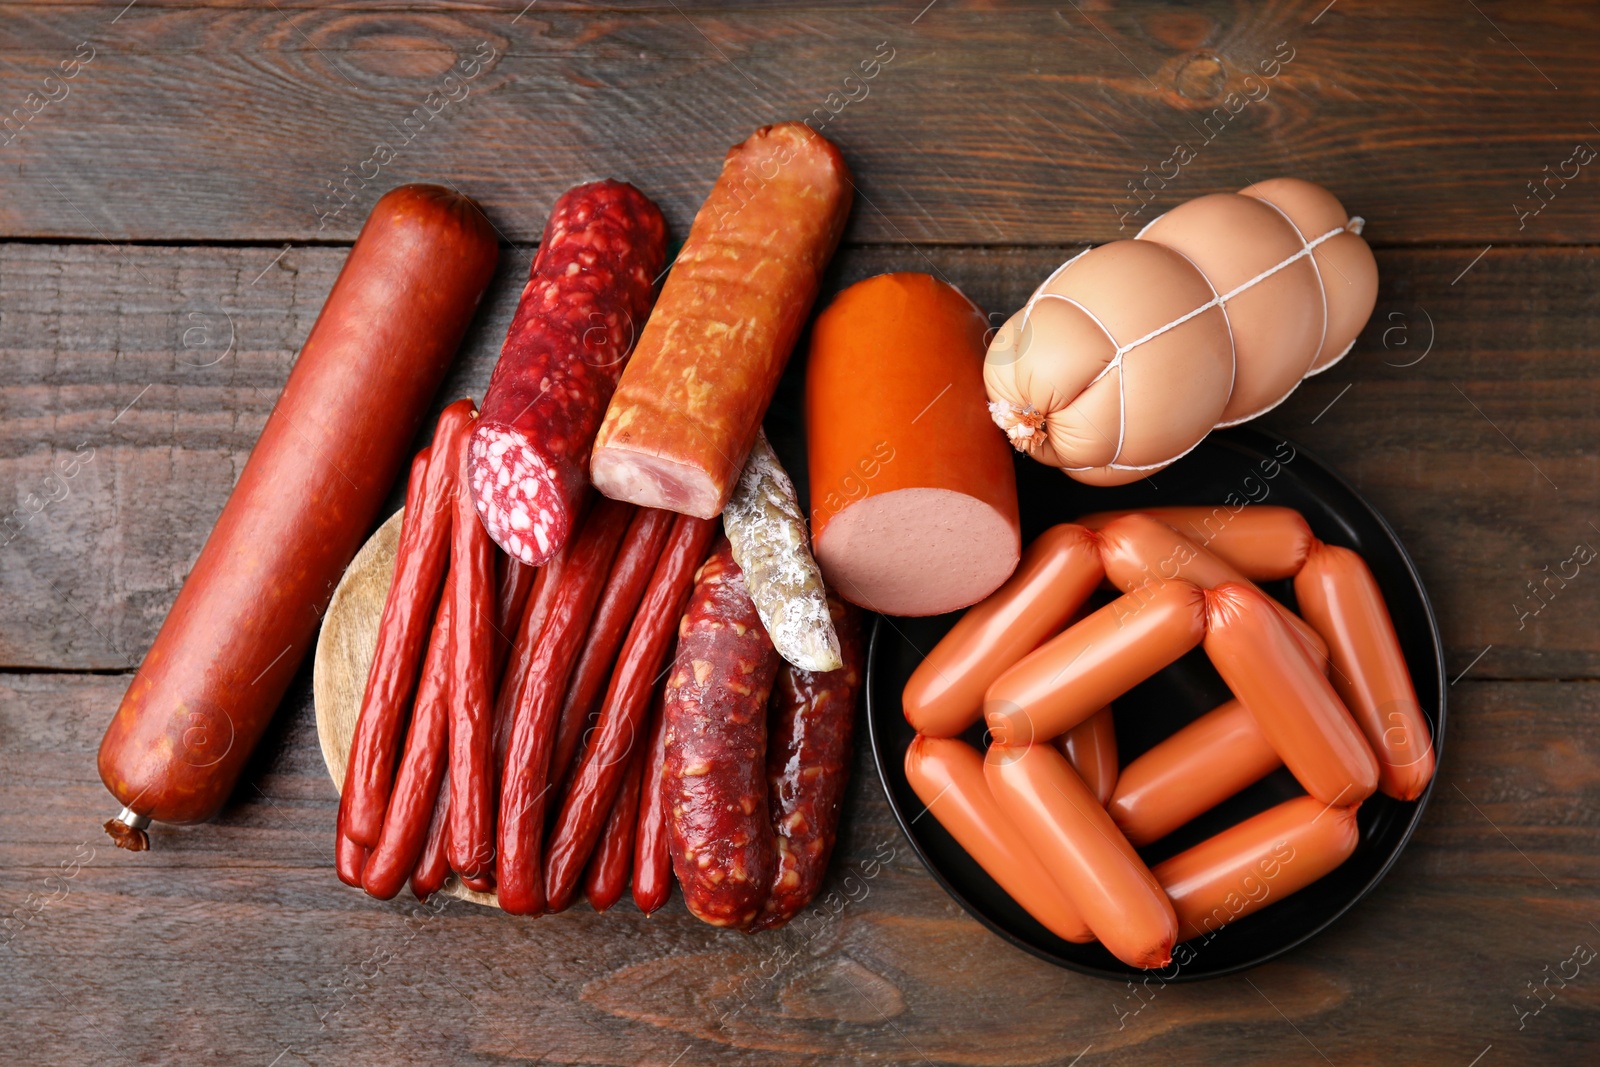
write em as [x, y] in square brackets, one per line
[349, 858]
[515, 583]
[305, 502]
[416, 785]
[810, 719]
[1191, 772]
[652, 862]
[433, 866]
[606, 877]
[471, 840]
[518, 866]
[588, 292]
[1058, 572]
[714, 779]
[1295, 706]
[419, 569]
[620, 725]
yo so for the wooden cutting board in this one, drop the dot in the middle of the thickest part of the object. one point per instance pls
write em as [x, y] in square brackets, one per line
[344, 655]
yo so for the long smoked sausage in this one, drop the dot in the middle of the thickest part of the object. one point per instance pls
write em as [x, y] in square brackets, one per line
[947, 775]
[1340, 597]
[1261, 860]
[1263, 542]
[1086, 666]
[1296, 707]
[1190, 772]
[306, 500]
[692, 397]
[1043, 797]
[1057, 573]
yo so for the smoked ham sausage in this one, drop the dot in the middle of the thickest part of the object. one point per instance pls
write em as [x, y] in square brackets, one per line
[1263, 542]
[1057, 573]
[947, 775]
[1087, 856]
[692, 397]
[913, 493]
[1084, 668]
[1340, 597]
[1191, 772]
[1295, 706]
[1259, 861]
[306, 500]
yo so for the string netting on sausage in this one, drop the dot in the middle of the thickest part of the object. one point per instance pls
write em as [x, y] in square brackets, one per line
[1022, 422]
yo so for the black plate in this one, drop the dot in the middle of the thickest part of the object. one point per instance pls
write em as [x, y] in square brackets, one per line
[1245, 465]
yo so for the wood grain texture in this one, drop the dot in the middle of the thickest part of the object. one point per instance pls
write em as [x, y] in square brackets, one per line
[1480, 452]
[992, 124]
[233, 941]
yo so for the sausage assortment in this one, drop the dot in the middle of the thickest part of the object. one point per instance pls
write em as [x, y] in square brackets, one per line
[1328, 696]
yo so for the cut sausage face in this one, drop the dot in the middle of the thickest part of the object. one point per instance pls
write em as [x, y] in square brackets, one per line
[885, 554]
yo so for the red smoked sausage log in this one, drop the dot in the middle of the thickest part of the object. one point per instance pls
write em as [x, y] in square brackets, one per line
[1057, 573]
[403, 628]
[585, 302]
[1084, 852]
[714, 780]
[306, 500]
[1263, 542]
[1193, 771]
[1091, 748]
[620, 725]
[652, 862]
[810, 719]
[1091, 663]
[416, 784]
[519, 868]
[1259, 861]
[630, 573]
[606, 877]
[1295, 706]
[1340, 597]
[690, 401]
[471, 720]
[947, 776]
[1141, 552]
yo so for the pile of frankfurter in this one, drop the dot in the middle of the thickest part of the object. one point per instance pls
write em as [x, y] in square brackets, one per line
[1048, 812]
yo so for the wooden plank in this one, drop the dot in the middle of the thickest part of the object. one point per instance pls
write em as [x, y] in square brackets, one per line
[1037, 125]
[1480, 451]
[233, 941]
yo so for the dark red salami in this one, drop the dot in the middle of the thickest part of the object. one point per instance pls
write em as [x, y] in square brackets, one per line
[810, 721]
[714, 776]
[586, 300]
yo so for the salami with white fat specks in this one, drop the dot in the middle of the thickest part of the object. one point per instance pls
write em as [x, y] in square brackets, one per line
[714, 777]
[586, 300]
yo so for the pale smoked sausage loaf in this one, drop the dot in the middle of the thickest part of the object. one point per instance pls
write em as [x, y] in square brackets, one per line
[1109, 885]
[1191, 772]
[1259, 861]
[1260, 541]
[1340, 597]
[1058, 571]
[1294, 704]
[693, 395]
[913, 493]
[947, 776]
[585, 302]
[306, 500]
[714, 778]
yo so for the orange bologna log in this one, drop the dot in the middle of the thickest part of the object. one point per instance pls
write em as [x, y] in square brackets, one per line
[913, 492]
[1085, 667]
[1057, 573]
[1091, 748]
[1191, 772]
[1340, 597]
[1261, 860]
[1140, 551]
[1299, 713]
[947, 775]
[1263, 542]
[1043, 797]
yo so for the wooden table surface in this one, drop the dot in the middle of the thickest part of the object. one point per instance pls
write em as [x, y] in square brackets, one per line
[169, 229]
